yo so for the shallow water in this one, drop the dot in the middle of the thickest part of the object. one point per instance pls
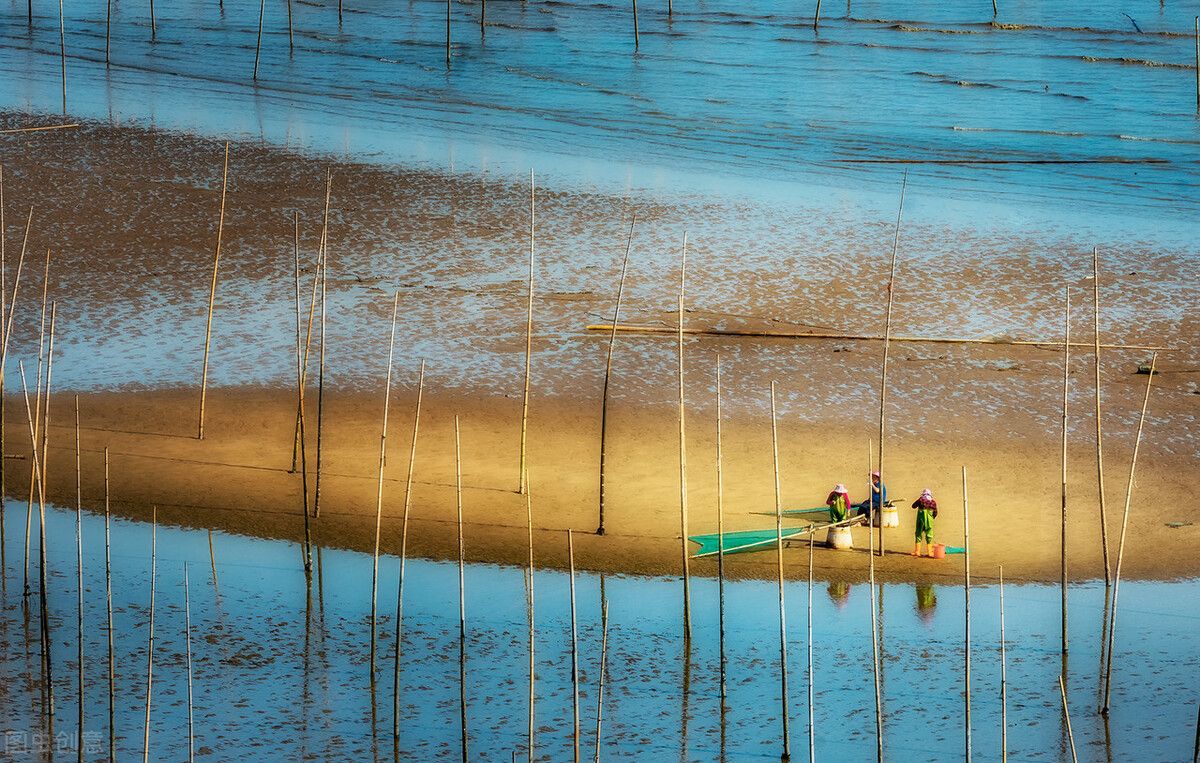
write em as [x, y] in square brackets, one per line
[267, 685]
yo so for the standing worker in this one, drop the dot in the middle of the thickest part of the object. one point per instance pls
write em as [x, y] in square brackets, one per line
[926, 512]
[838, 503]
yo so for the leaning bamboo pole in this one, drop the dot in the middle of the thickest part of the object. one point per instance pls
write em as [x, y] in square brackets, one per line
[612, 342]
[574, 650]
[262, 6]
[300, 407]
[1066, 389]
[37, 413]
[187, 640]
[1003, 679]
[212, 295]
[1112, 622]
[683, 502]
[112, 673]
[324, 276]
[462, 601]
[412, 459]
[7, 322]
[79, 583]
[600, 679]
[150, 643]
[887, 341]
[1062, 688]
[720, 549]
[387, 399]
[19, 130]
[783, 668]
[528, 337]
[1099, 428]
[876, 659]
[45, 641]
[297, 440]
[967, 616]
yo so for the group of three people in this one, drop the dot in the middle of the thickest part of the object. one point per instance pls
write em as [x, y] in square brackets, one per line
[839, 509]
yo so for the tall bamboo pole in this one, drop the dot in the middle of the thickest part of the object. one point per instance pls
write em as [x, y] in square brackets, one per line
[212, 295]
[324, 276]
[291, 39]
[462, 600]
[532, 639]
[1112, 622]
[107, 30]
[1197, 35]
[967, 615]
[412, 459]
[1003, 679]
[876, 659]
[1099, 429]
[603, 669]
[79, 582]
[7, 322]
[42, 564]
[37, 412]
[297, 440]
[1062, 688]
[720, 546]
[887, 337]
[817, 17]
[150, 643]
[153, 25]
[187, 640]
[636, 36]
[786, 753]
[1066, 388]
[112, 674]
[447, 34]
[387, 399]
[299, 410]
[574, 651]
[612, 341]
[37, 472]
[262, 5]
[812, 726]
[3, 357]
[528, 341]
[683, 504]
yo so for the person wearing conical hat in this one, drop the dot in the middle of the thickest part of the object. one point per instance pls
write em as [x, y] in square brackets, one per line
[926, 512]
[838, 503]
[870, 508]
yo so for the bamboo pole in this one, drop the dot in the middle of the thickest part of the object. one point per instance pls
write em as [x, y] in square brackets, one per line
[637, 37]
[1066, 388]
[387, 399]
[528, 341]
[153, 25]
[412, 458]
[1112, 622]
[720, 547]
[112, 675]
[603, 668]
[79, 583]
[291, 41]
[786, 753]
[683, 504]
[187, 640]
[612, 341]
[447, 34]
[532, 640]
[817, 17]
[44, 621]
[18, 130]
[3, 357]
[995, 9]
[1197, 34]
[150, 643]
[967, 614]
[876, 659]
[887, 337]
[297, 440]
[1099, 429]
[212, 294]
[1062, 689]
[42, 563]
[62, 54]
[628, 328]
[482, 16]
[37, 413]
[1196, 745]
[7, 333]
[812, 726]
[324, 276]
[299, 410]
[107, 30]
[574, 651]
[212, 559]
[1003, 679]
[462, 601]
[262, 5]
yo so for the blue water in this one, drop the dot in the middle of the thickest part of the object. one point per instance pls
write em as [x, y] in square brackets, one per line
[268, 687]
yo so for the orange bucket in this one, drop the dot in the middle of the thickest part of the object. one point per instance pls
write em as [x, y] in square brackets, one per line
[939, 550]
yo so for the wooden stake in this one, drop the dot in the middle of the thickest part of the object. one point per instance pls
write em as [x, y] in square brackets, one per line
[187, 640]
[387, 398]
[150, 643]
[637, 37]
[600, 680]
[321, 377]
[79, 582]
[412, 459]
[612, 341]
[574, 651]
[1066, 387]
[153, 26]
[812, 726]
[37, 475]
[1197, 23]
[786, 754]
[297, 440]
[1062, 688]
[62, 54]
[42, 564]
[720, 547]
[528, 341]
[876, 659]
[529, 613]
[683, 505]
[482, 16]
[887, 341]
[212, 558]
[1003, 679]
[291, 41]
[995, 9]
[817, 16]
[299, 410]
[967, 612]
[462, 601]
[37, 413]
[1112, 623]
[212, 294]
[1099, 430]
[112, 674]
[447, 34]
[3, 317]
[262, 4]
[107, 30]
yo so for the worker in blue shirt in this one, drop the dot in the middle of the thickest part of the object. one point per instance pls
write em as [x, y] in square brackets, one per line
[876, 501]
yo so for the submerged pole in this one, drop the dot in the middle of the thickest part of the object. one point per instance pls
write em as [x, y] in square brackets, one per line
[1062, 689]
[817, 16]
[720, 547]
[1003, 679]
[62, 54]
[299, 412]
[462, 601]
[1099, 429]
[212, 294]
[637, 37]
[79, 582]
[612, 342]
[532, 645]
[387, 399]
[412, 459]
[876, 659]
[887, 337]
[1066, 387]
[683, 502]
[324, 277]
[967, 615]
[187, 640]
[786, 753]
[603, 669]
[812, 726]
[150, 643]
[112, 673]
[447, 34]
[574, 650]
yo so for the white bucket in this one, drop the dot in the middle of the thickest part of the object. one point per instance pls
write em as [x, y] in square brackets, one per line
[890, 516]
[839, 538]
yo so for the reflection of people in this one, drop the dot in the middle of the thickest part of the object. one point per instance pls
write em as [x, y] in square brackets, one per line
[838, 503]
[926, 511]
[839, 592]
[877, 499]
[926, 601]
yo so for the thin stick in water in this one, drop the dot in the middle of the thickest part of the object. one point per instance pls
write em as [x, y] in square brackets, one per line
[412, 459]
[1003, 678]
[1062, 689]
[1099, 429]
[79, 581]
[887, 336]
[600, 680]
[150, 643]
[62, 54]
[212, 294]
[324, 277]
[612, 341]
[46, 667]
[462, 600]
[387, 398]
[112, 673]
[720, 547]
[187, 640]
[637, 36]
[300, 406]
[967, 616]
[262, 5]
[875, 630]
[783, 667]
[1066, 388]
[812, 726]
[683, 503]
[528, 340]
[574, 650]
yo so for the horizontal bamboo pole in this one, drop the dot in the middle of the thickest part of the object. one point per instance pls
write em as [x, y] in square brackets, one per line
[640, 329]
[16, 130]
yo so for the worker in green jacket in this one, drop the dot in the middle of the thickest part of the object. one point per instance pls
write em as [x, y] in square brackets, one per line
[926, 512]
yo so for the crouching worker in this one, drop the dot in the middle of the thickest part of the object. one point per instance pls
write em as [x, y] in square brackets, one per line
[838, 503]
[870, 508]
[926, 512]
